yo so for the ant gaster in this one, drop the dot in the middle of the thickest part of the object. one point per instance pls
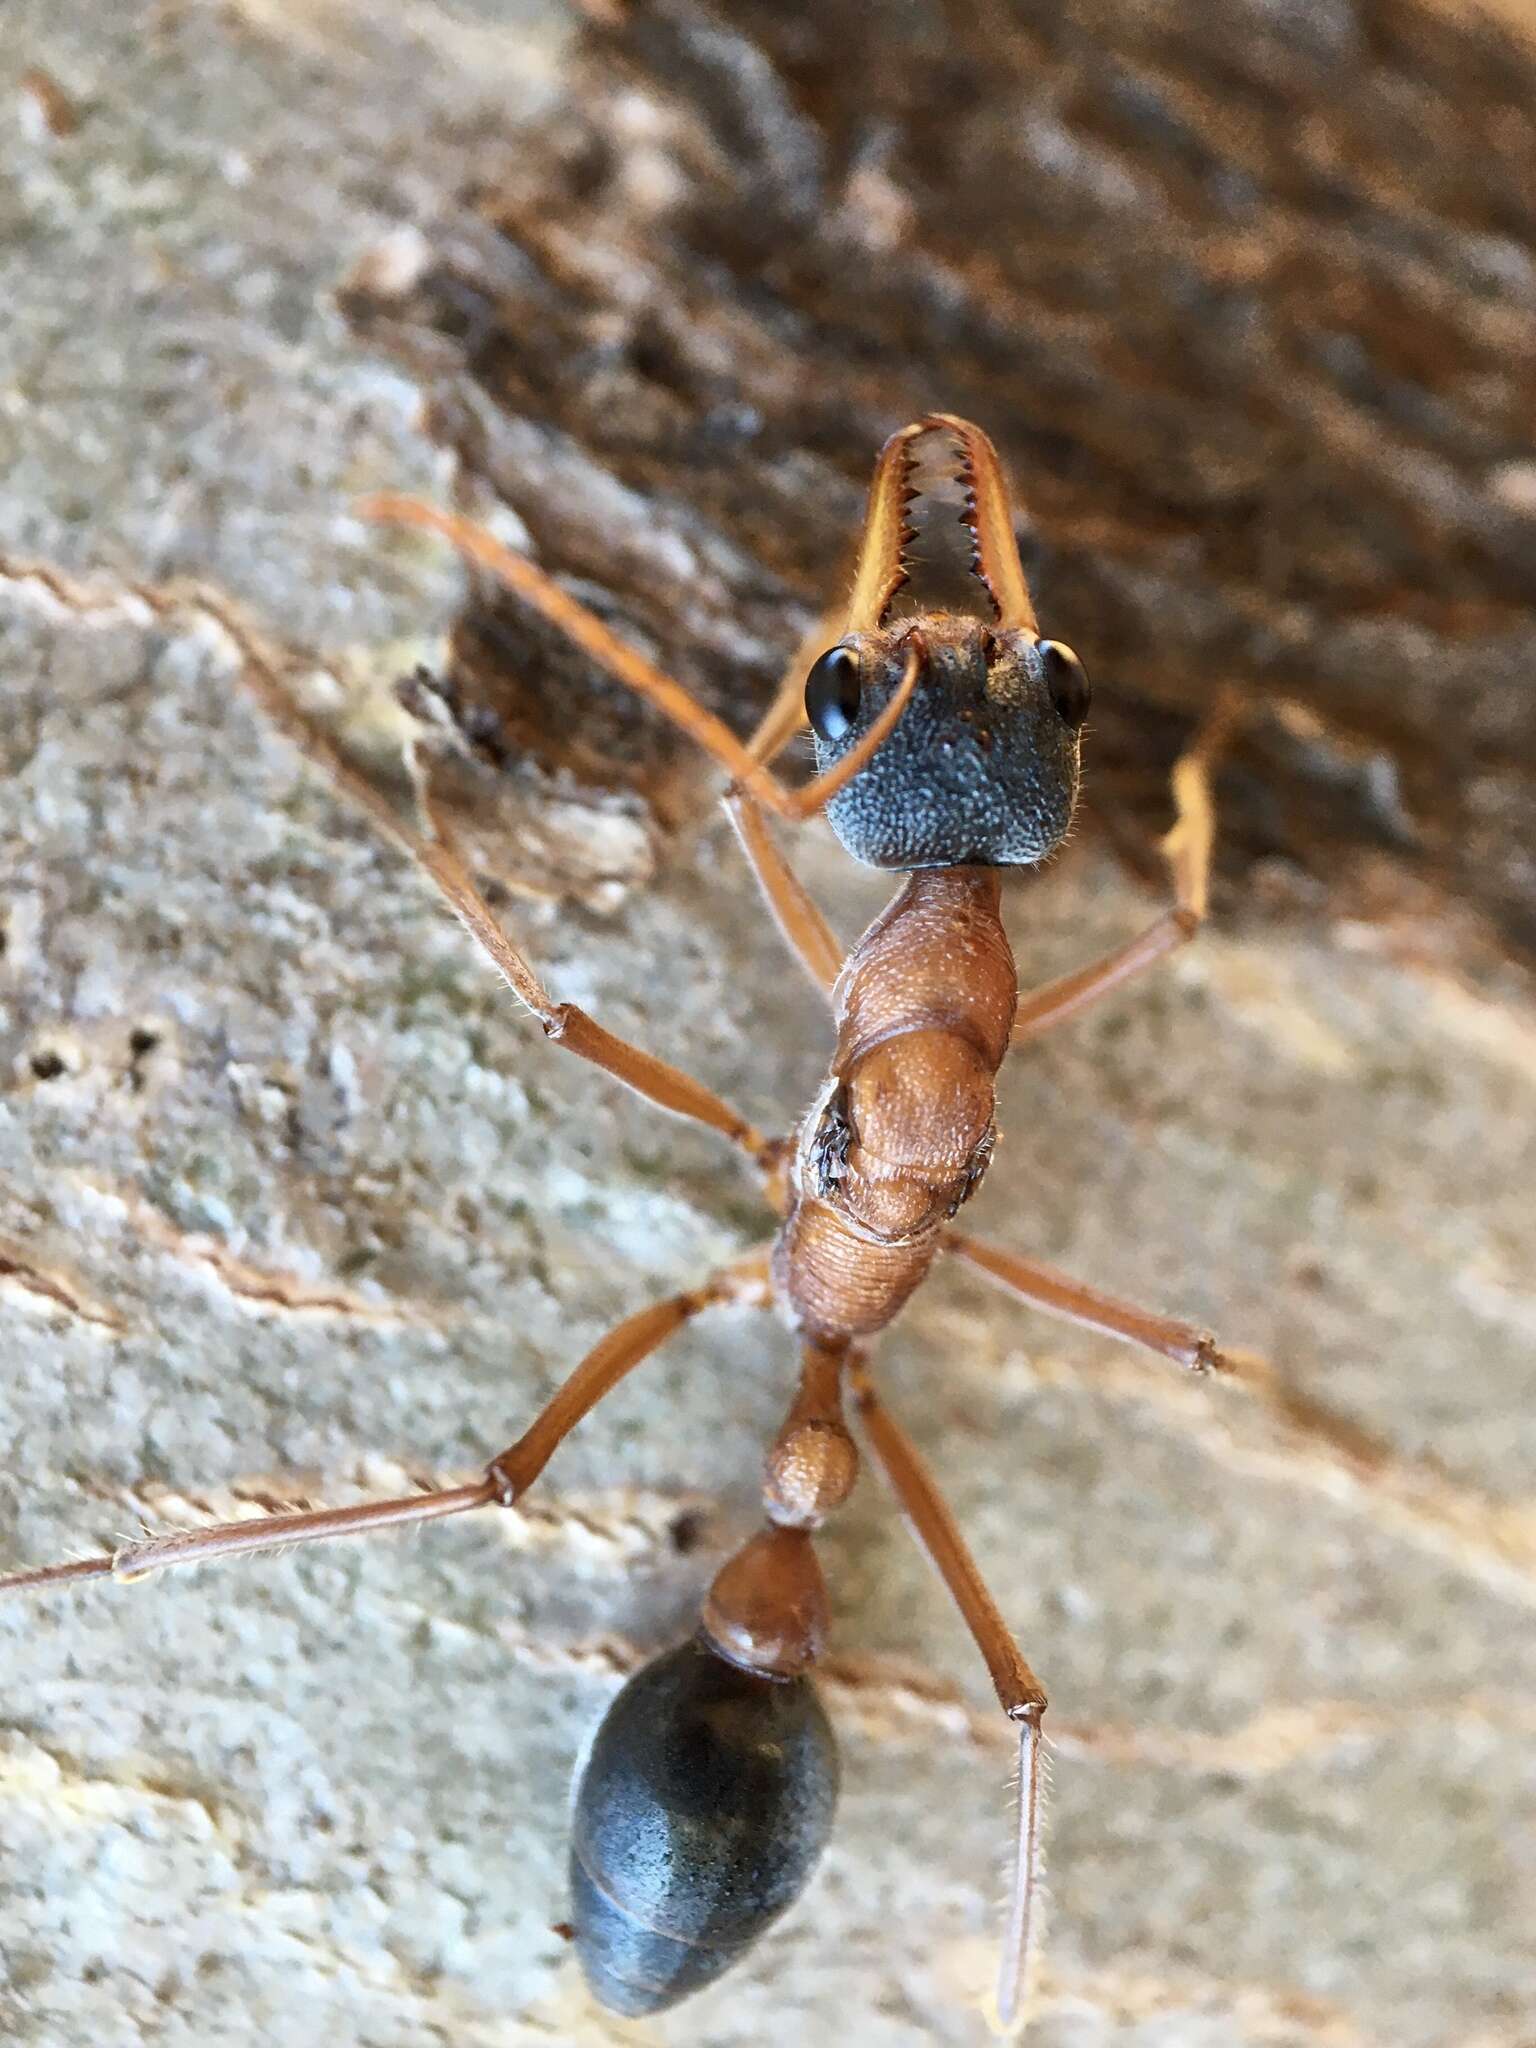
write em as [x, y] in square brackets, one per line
[947, 746]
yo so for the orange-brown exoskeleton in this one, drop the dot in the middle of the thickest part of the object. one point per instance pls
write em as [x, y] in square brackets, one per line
[947, 745]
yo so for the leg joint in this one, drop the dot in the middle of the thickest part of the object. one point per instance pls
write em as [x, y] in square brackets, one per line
[505, 1489]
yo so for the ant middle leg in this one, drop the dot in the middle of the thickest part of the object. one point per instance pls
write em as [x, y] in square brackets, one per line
[1055, 1294]
[507, 1476]
[1321, 1444]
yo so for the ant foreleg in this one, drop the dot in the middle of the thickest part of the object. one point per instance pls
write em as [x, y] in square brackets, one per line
[629, 667]
[1055, 1294]
[1187, 850]
[438, 857]
[785, 716]
[567, 1025]
[508, 1476]
[801, 925]
[1018, 1690]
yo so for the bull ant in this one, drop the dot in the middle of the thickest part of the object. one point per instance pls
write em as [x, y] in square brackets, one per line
[947, 747]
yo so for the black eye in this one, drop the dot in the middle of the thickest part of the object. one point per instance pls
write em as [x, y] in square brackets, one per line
[1067, 681]
[832, 693]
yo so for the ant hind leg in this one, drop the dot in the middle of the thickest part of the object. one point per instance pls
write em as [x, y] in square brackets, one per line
[507, 1477]
[1018, 1690]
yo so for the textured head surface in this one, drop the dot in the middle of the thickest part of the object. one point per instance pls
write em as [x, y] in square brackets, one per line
[981, 769]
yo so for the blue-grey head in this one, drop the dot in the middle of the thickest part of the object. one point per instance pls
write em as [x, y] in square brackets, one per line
[982, 767]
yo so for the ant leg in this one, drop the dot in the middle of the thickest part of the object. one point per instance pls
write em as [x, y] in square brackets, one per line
[436, 854]
[566, 1024]
[786, 714]
[632, 669]
[801, 925]
[1057, 1295]
[438, 857]
[1302, 1443]
[1018, 1690]
[514, 1470]
[1187, 850]
[508, 1476]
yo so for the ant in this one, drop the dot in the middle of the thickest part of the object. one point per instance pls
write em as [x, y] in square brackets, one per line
[947, 748]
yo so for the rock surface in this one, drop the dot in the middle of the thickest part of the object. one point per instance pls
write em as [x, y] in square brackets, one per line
[294, 1202]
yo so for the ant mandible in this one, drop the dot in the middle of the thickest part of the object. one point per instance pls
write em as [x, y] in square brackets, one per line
[947, 747]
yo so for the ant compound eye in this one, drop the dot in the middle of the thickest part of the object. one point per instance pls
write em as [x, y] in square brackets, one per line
[1067, 681]
[832, 693]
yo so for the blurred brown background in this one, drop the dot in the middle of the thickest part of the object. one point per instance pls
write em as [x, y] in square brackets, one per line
[1247, 297]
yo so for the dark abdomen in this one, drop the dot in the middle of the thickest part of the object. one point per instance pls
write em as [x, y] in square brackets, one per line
[703, 1808]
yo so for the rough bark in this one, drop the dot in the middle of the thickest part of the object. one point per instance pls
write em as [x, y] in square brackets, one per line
[1248, 303]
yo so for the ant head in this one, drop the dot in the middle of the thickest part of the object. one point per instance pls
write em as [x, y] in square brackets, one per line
[981, 769]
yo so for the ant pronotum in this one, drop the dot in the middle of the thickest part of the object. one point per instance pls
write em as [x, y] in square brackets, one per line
[947, 746]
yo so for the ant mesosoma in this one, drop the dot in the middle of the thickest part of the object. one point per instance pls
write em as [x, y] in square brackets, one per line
[947, 747]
